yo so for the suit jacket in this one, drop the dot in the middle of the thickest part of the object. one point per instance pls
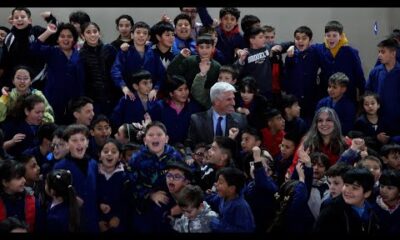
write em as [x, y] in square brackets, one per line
[201, 128]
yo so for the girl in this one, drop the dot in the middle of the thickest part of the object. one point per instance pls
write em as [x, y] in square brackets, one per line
[22, 82]
[175, 111]
[124, 27]
[147, 167]
[97, 59]
[20, 134]
[324, 135]
[63, 214]
[65, 73]
[112, 188]
[14, 199]
[251, 103]
[368, 121]
[126, 134]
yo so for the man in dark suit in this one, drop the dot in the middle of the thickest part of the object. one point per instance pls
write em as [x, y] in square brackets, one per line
[218, 119]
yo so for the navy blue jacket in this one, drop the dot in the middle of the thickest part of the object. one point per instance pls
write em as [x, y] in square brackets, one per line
[57, 219]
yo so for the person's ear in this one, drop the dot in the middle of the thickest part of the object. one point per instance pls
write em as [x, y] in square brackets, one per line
[367, 194]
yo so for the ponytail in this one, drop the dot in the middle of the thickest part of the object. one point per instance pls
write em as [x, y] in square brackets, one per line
[74, 212]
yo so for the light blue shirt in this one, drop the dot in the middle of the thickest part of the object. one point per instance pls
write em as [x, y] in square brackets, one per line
[215, 121]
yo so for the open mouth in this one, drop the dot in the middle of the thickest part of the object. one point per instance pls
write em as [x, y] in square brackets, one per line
[171, 187]
[155, 144]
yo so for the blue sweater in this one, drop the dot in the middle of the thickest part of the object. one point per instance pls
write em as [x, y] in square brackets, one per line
[65, 76]
[235, 215]
[57, 219]
[177, 124]
[259, 193]
[129, 62]
[347, 61]
[180, 44]
[11, 128]
[128, 111]
[387, 86]
[300, 79]
[345, 109]
[84, 184]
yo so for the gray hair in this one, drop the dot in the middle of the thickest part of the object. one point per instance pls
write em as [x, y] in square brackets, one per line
[219, 88]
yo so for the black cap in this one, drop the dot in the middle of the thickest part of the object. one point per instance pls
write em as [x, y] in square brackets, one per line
[181, 166]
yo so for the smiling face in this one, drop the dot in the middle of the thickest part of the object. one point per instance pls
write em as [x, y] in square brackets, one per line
[225, 103]
[35, 116]
[301, 41]
[140, 36]
[20, 19]
[175, 180]
[325, 124]
[91, 35]
[183, 29]
[166, 39]
[332, 38]
[228, 22]
[15, 185]
[181, 94]
[353, 194]
[22, 81]
[77, 145]
[110, 155]
[124, 28]
[66, 40]
[59, 147]
[390, 194]
[155, 139]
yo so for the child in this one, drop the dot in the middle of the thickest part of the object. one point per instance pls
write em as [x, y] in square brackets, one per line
[97, 59]
[154, 155]
[127, 151]
[112, 187]
[235, 213]
[249, 21]
[34, 181]
[175, 111]
[374, 165]
[227, 73]
[217, 55]
[183, 37]
[84, 171]
[77, 19]
[337, 100]
[128, 111]
[125, 134]
[63, 214]
[387, 203]
[337, 56]
[203, 64]
[380, 81]
[197, 214]
[139, 56]
[20, 133]
[17, 43]
[22, 82]
[124, 25]
[260, 191]
[301, 73]
[3, 33]
[350, 213]
[80, 109]
[291, 113]
[369, 122]
[335, 175]
[391, 156]
[65, 72]
[251, 103]
[44, 135]
[250, 138]
[100, 130]
[277, 67]
[274, 132]
[14, 199]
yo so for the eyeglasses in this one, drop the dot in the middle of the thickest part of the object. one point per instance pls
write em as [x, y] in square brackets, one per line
[175, 177]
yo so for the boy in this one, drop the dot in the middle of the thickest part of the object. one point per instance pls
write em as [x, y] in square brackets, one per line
[337, 56]
[276, 64]
[100, 130]
[227, 73]
[374, 165]
[256, 61]
[217, 55]
[235, 213]
[391, 156]
[81, 110]
[219, 155]
[84, 171]
[128, 111]
[77, 19]
[3, 33]
[188, 66]
[350, 213]
[250, 138]
[301, 73]
[183, 37]
[383, 81]
[249, 21]
[197, 214]
[273, 134]
[342, 104]
[387, 203]
[137, 57]
[291, 113]
[17, 45]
